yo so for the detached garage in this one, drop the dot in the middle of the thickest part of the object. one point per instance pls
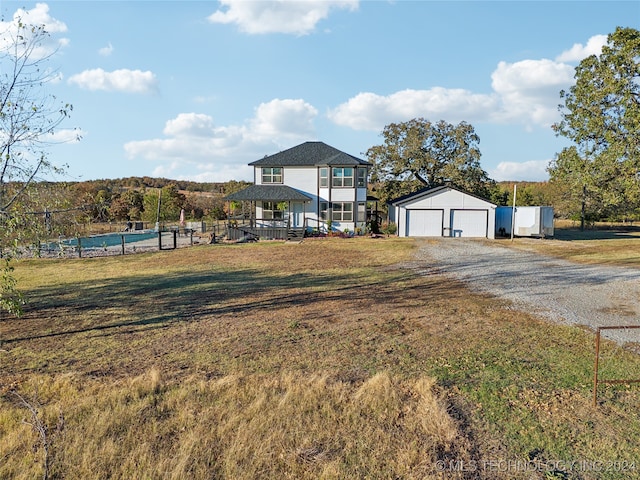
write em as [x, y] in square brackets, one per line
[443, 211]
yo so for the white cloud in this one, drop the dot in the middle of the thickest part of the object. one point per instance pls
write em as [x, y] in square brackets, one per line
[525, 92]
[190, 125]
[531, 171]
[209, 152]
[529, 90]
[67, 135]
[578, 51]
[368, 111]
[283, 118]
[124, 80]
[278, 16]
[37, 16]
[106, 51]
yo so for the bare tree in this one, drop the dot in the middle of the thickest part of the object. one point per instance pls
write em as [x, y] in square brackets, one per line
[29, 118]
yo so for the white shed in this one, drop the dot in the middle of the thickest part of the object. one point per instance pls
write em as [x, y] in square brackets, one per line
[443, 211]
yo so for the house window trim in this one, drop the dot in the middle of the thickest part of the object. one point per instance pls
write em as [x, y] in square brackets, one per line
[340, 181]
[323, 180]
[268, 172]
[361, 177]
[341, 212]
[323, 212]
[272, 207]
[361, 212]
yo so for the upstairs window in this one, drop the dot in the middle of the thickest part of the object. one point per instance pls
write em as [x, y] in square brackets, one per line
[362, 177]
[271, 174]
[342, 177]
[324, 177]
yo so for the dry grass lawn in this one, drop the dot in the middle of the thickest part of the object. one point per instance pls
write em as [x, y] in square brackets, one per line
[600, 244]
[324, 359]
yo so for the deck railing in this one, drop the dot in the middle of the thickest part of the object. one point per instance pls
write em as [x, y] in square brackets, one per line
[275, 229]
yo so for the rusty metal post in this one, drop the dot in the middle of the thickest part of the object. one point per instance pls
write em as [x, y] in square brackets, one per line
[595, 369]
[596, 380]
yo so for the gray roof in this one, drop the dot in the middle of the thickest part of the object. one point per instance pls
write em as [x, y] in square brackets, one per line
[309, 154]
[432, 190]
[269, 193]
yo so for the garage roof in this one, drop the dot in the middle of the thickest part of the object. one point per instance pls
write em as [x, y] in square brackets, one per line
[431, 191]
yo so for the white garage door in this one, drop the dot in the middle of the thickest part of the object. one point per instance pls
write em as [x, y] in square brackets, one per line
[469, 223]
[424, 223]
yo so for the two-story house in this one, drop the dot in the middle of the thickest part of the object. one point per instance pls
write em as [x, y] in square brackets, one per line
[312, 186]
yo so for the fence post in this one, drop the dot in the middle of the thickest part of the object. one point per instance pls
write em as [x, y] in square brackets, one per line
[595, 369]
[79, 248]
[159, 240]
[122, 236]
[175, 239]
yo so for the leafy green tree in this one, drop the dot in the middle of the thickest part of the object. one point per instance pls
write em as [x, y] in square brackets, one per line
[28, 119]
[601, 116]
[171, 202]
[127, 206]
[419, 153]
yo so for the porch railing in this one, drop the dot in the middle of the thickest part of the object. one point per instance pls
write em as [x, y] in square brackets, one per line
[263, 228]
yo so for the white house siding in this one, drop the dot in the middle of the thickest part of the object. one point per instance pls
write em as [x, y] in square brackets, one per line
[303, 179]
[349, 194]
[306, 180]
[343, 194]
[462, 215]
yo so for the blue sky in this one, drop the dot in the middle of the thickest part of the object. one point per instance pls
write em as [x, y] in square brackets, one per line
[197, 90]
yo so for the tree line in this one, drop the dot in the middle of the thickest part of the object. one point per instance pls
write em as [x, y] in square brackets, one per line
[66, 207]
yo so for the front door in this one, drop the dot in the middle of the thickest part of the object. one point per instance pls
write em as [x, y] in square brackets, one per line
[297, 214]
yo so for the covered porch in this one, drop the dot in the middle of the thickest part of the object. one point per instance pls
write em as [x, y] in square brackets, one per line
[283, 219]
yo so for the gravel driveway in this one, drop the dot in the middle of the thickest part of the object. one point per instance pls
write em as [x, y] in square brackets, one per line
[556, 289]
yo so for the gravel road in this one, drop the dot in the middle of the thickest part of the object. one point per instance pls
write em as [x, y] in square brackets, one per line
[561, 291]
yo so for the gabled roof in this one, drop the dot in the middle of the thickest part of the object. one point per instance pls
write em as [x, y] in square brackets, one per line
[428, 191]
[309, 154]
[269, 193]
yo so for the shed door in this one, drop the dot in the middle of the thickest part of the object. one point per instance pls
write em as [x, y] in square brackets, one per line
[424, 223]
[469, 223]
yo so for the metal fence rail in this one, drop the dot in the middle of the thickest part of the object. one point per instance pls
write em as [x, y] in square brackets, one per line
[596, 380]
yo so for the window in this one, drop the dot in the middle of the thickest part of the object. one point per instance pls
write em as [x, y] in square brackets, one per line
[362, 212]
[342, 212]
[324, 177]
[342, 177]
[271, 174]
[324, 207]
[362, 177]
[272, 211]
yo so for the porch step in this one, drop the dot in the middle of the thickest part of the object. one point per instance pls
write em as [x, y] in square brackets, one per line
[295, 234]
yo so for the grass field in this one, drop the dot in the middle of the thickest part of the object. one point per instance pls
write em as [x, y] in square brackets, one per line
[325, 359]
